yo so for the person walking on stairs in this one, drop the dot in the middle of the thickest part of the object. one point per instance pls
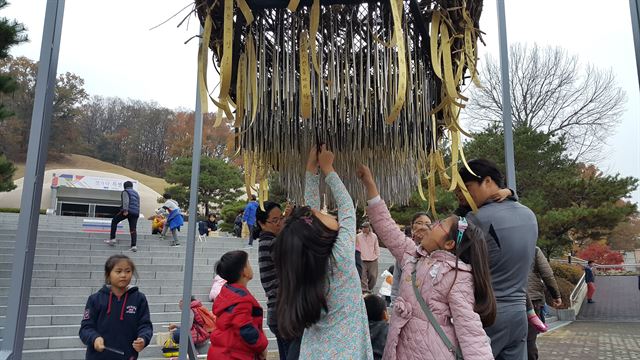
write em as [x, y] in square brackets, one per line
[130, 210]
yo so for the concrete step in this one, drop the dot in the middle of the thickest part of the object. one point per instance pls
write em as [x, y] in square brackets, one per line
[150, 352]
[149, 283]
[200, 294]
[99, 275]
[39, 331]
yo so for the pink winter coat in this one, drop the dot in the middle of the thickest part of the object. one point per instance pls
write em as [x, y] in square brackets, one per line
[450, 298]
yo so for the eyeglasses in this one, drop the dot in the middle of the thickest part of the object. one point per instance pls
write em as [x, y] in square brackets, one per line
[275, 220]
[438, 223]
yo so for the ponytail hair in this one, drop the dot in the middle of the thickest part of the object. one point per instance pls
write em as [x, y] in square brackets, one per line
[472, 250]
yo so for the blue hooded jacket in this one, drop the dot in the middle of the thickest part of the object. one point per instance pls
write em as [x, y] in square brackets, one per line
[175, 219]
[118, 321]
[250, 213]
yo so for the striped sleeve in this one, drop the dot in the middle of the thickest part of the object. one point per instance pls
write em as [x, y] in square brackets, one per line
[267, 269]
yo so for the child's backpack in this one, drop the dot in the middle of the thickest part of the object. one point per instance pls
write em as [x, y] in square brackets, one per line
[208, 319]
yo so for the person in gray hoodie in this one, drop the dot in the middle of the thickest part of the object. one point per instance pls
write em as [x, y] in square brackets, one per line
[511, 232]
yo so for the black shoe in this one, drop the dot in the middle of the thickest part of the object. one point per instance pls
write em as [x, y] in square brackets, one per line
[590, 301]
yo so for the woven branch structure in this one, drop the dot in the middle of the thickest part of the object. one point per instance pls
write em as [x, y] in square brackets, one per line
[378, 82]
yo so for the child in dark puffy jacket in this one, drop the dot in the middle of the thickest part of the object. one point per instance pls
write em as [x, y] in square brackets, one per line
[116, 322]
[378, 323]
[238, 333]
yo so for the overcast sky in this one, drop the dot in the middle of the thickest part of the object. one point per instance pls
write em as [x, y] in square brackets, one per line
[109, 44]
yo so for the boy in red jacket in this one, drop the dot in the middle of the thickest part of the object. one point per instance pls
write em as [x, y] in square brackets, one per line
[238, 333]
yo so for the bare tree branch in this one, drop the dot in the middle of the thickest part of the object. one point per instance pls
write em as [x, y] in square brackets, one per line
[552, 92]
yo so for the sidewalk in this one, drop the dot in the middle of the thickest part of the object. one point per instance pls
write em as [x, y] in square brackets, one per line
[584, 340]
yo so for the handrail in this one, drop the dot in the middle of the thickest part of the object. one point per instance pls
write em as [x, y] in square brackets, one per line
[574, 293]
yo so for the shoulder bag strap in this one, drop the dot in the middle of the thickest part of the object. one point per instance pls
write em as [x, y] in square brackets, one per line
[432, 319]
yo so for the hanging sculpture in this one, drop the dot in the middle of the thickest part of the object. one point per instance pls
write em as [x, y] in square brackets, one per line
[378, 82]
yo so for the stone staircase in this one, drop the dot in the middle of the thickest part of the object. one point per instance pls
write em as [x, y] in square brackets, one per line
[69, 266]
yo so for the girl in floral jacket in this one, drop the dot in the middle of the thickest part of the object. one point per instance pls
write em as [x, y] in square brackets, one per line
[452, 275]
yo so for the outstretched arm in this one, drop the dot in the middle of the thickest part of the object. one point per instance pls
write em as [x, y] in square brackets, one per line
[386, 229]
[345, 243]
[312, 181]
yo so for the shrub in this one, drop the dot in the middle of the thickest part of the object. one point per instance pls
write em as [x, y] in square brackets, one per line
[230, 211]
[601, 254]
[570, 272]
[566, 288]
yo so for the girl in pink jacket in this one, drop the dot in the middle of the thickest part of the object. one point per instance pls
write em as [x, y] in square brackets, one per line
[452, 276]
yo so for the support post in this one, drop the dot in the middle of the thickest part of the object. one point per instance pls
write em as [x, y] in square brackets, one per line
[25, 244]
[192, 226]
[506, 97]
[634, 6]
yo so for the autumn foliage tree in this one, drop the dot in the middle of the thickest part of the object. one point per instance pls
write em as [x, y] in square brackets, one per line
[180, 136]
[601, 254]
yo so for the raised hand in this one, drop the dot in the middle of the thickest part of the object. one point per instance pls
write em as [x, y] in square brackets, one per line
[325, 160]
[364, 174]
[500, 195]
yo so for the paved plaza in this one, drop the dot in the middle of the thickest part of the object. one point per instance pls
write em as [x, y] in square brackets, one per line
[607, 329]
[592, 340]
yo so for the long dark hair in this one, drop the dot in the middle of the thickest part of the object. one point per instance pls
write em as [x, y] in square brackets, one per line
[473, 251]
[302, 255]
[263, 216]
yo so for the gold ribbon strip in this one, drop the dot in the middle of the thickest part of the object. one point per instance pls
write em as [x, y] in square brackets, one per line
[397, 11]
[305, 77]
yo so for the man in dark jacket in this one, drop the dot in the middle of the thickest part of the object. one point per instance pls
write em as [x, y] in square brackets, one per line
[541, 277]
[131, 211]
[118, 320]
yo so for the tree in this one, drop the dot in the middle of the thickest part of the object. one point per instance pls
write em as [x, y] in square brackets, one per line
[553, 94]
[130, 133]
[180, 136]
[7, 169]
[573, 202]
[69, 96]
[219, 181]
[626, 236]
[601, 254]
[11, 33]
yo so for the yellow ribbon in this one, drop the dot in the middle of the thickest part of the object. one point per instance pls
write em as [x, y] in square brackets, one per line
[227, 57]
[396, 11]
[305, 77]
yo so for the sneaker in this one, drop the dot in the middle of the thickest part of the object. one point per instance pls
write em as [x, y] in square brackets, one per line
[175, 244]
[535, 321]
[133, 248]
[590, 301]
[111, 242]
